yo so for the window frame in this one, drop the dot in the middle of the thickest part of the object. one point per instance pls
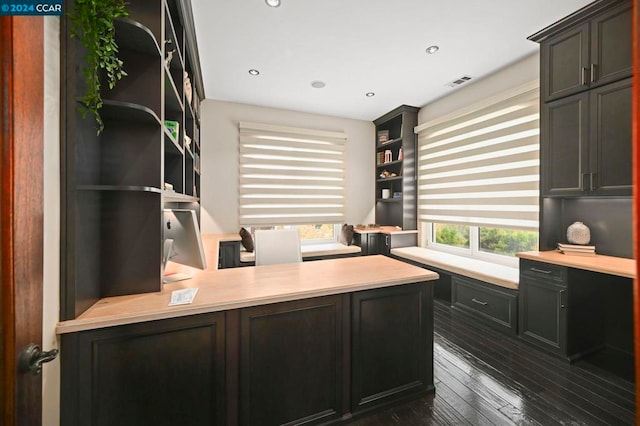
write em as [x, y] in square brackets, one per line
[473, 252]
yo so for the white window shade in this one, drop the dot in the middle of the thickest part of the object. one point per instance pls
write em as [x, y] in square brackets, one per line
[481, 167]
[291, 175]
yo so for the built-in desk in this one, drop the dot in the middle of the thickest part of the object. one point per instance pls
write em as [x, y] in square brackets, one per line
[579, 307]
[316, 341]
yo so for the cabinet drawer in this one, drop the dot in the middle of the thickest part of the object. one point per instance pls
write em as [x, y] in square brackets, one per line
[544, 271]
[491, 304]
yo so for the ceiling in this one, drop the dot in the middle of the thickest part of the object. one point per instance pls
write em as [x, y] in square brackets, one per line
[360, 46]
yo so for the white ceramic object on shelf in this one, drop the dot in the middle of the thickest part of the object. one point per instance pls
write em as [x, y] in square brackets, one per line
[188, 91]
[386, 193]
[578, 233]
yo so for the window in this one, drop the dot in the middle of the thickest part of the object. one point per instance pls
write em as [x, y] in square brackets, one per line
[290, 176]
[310, 234]
[478, 176]
[493, 244]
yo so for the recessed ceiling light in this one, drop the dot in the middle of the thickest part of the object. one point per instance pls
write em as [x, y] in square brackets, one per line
[272, 3]
[254, 72]
[370, 94]
[432, 49]
[318, 84]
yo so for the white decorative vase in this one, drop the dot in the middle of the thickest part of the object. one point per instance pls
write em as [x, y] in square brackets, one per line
[578, 233]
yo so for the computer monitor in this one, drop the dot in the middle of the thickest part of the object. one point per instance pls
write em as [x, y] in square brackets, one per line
[182, 241]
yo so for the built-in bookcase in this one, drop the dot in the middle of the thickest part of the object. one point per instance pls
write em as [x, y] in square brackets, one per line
[114, 184]
[396, 168]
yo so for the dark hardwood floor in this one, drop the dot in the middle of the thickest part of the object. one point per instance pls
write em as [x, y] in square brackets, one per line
[485, 378]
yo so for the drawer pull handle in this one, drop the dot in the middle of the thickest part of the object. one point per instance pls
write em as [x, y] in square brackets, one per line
[479, 302]
[542, 271]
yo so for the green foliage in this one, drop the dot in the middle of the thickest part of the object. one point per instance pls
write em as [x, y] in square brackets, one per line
[503, 241]
[93, 25]
[453, 235]
[507, 241]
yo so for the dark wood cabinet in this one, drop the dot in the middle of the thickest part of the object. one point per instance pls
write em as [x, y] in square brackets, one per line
[113, 183]
[563, 310]
[396, 168]
[163, 372]
[392, 345]
[228, 254]
[586, 143]
[610, 164]
[496, 306]
[382, 243]
[291, 365]
[311, 361]
[589, 49]
[543, 309]
[370, 242]
[585, 140]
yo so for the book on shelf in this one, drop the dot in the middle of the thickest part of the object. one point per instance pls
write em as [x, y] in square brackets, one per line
[383, 136]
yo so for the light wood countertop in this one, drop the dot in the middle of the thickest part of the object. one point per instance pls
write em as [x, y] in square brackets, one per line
[251, 286]
[619, 266]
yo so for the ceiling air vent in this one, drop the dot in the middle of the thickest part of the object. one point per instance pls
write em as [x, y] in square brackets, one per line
[460, 81]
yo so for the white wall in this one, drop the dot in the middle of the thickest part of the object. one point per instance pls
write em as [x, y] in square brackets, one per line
[51, 272]
[516, 74]
[219, 144]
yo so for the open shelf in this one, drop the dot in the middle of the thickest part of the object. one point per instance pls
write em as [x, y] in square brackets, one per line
[135, 36]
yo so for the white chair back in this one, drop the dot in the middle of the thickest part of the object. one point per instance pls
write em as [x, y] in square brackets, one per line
[277, 246]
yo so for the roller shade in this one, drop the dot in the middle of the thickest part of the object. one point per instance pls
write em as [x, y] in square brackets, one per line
[291, 176]
[481, 167]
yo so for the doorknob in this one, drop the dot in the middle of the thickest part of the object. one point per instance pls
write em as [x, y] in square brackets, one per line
[32, 358]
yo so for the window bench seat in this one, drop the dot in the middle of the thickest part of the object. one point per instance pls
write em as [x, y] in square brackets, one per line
[500, 275]
[486, 291]
[311, 252]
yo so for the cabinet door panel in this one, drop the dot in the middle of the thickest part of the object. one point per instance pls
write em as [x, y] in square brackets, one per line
[564, 58]
[611, 138]
[392, 344]
[291, 362]
[563, 145]
[134, 374]
[542, 314]
[611, 46]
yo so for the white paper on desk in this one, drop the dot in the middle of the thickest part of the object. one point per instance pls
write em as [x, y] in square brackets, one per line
[183, 297]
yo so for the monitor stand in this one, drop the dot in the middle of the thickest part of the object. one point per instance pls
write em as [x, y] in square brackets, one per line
[172, 278]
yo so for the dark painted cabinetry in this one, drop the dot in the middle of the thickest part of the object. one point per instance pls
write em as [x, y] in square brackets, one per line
[311, 361]
[496, 306]
[594, 49]
[396, 171]
[585, 142]
[291, 365]
[382, 243]
[370, 242]
[166, 372]
[564, 310]
[113, 183]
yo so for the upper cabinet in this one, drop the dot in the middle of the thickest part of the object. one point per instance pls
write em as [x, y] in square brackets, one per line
[585, 135]
[396, 168]
[586, 50]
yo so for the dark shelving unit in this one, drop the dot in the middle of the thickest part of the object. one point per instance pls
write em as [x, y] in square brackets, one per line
[398, 127]
[113, 183]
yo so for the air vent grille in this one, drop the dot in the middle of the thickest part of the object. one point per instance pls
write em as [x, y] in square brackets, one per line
[460, 81]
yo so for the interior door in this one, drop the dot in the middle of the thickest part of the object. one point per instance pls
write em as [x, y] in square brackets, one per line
[21, 211]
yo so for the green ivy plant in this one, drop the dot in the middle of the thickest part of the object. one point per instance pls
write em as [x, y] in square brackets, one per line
[92, 23]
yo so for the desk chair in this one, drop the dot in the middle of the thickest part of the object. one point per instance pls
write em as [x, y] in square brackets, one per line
[277, 246]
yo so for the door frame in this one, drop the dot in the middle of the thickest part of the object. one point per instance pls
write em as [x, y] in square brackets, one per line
[21, 211]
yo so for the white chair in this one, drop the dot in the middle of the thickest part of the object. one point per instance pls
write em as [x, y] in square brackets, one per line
[277, 246]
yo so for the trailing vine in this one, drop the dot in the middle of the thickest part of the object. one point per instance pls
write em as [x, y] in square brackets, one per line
[92, 23]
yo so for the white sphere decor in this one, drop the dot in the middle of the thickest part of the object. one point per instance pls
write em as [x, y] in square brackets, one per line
[578, 233]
